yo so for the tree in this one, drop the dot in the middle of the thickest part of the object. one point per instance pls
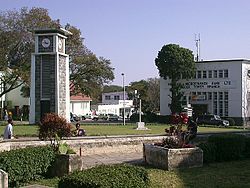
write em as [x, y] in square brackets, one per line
[153, 94]
[17, 44]
[88, 72]
[175, 63]
[142, 88]
[112, 88]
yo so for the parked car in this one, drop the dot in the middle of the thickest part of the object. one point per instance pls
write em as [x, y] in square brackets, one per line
[103, 116]
[74, 117]
[90, 116]
[113, 117]
[211, 120]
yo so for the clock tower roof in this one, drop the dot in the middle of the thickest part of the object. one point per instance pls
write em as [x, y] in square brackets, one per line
[53, 30]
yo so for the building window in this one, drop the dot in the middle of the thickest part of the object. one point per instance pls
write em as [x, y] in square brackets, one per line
[205, 95]
[221, 108]
[215, 104]
[204, 74]
[215, 73]
[107, 97]
[220, 73]
[220, 96]
[116, 97]
[198, 74]
[210, 74]
[209, 95]
[225, 73]
[225, 103]
[226, 108]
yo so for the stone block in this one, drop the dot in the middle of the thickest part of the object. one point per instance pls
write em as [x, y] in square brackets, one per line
[3, 179]
[65, 164]
[170, 159]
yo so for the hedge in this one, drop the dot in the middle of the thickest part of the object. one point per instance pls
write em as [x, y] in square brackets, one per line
[228, 146]
[24, 165]
[107, 176]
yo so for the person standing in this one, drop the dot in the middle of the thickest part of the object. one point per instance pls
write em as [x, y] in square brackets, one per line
[8, 132]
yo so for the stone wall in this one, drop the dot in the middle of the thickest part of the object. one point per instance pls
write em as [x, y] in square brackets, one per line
[171, 159]
[90, 145]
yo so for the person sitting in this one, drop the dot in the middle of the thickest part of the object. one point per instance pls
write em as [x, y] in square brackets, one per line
[78, 131]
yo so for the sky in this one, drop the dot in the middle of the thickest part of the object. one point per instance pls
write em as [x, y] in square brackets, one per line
[131, 32]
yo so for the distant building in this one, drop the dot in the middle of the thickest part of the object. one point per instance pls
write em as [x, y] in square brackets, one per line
[220, 87]
[80, 104]
[114, 103]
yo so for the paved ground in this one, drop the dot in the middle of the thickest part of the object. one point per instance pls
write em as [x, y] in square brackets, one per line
[110, 158]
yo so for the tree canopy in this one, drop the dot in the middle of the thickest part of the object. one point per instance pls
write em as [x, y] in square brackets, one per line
[17, 44]
[88, 72]
[175, 63]
[149, 93]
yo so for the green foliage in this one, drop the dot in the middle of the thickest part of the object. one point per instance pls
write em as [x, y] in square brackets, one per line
[24, 165]
[17, 43]
[175, 63]
[209, 152]
[228, 147]
[231, 121]
[107, 176]
[164, 119]
[52, 125]
[247, 147]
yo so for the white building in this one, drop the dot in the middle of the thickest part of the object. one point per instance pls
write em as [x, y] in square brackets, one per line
[220, 87]
[80, 104]
[114, 103]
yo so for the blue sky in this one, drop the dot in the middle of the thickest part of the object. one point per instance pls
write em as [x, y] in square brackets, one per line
[131, 32]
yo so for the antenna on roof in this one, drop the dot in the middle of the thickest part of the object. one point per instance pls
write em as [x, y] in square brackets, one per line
[198, 47]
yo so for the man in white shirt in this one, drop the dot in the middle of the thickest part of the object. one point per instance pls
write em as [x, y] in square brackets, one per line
[8, 132]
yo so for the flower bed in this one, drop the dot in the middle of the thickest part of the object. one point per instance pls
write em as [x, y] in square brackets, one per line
[169, 158]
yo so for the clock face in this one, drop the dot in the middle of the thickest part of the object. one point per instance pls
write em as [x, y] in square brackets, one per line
[45, 42]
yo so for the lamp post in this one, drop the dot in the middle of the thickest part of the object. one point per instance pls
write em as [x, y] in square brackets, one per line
[123, 98]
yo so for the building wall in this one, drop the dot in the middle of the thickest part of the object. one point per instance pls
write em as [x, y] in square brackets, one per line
[80, 107]
[116, 108]
[113, 97]
[224, 91]
[16, 98]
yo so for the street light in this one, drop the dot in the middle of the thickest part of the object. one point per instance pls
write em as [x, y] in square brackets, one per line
[123, 98]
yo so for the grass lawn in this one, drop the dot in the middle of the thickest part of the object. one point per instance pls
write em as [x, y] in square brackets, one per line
[223, 175]
[112, 129]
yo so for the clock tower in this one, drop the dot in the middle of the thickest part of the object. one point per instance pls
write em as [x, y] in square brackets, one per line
[49, 91]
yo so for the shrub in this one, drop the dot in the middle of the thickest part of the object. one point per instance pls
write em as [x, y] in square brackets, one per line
[150, 117]
[209, 152]
[52, 125]
[107, 176]
[247, 147]
[24, 165]
[135, 117]
[228, 146]
[164, 119]
[231, 121]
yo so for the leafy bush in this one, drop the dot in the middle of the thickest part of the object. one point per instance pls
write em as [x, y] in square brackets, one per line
[228, 146]
[231, 121]
[209, 152]
[52, 125]
[150, 117]
[135, 117]
[24, 165]
[247, 147]
[107, 176]
[164, 119]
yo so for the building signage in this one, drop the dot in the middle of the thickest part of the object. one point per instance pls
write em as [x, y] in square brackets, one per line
[209, 84]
